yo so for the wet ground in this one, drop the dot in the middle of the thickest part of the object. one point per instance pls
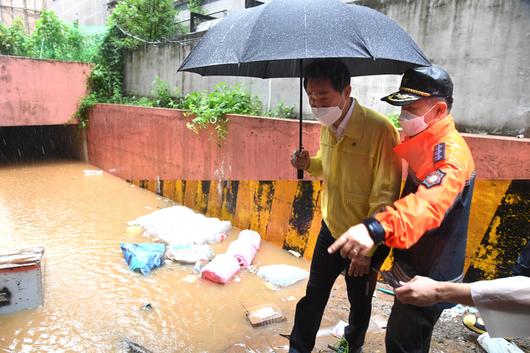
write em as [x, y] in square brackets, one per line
[93, 302]
[449, 336]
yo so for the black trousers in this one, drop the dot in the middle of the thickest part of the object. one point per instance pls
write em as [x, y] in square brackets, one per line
[409, 328]
[522, 265]
[325, 269]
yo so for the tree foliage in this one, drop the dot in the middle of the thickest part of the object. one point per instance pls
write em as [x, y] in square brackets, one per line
[51, 39]
[149, 20]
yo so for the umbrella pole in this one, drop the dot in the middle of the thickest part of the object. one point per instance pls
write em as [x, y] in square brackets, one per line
[300, 172]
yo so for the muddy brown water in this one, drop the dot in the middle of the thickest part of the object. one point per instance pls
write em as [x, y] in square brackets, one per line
[93, 302]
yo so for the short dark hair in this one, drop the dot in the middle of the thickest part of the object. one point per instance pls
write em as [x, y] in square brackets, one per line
[334, 70]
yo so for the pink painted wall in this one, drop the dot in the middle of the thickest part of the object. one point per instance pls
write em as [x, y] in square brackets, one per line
[40, 92]
[146, 143]
[135, 142]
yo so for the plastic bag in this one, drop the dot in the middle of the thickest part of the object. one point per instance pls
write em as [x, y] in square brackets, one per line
[282, 275]
[143, 258]
[497, 345]
[189, 254]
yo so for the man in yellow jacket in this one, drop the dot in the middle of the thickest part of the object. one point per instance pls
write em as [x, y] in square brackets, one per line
[361, 175]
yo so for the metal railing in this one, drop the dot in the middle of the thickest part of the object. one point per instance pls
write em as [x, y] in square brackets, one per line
[196, 19]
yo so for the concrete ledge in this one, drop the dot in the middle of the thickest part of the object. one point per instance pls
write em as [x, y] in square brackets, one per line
[146, 143]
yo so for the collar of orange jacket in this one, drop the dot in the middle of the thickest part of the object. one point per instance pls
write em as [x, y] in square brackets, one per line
[416, 149]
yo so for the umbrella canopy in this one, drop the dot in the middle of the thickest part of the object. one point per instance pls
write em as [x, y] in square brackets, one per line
[268, 41]
[281, 37]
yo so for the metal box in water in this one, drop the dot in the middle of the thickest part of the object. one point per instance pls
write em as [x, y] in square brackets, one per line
[20, 280]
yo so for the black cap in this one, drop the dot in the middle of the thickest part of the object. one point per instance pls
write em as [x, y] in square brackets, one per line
[422, 82]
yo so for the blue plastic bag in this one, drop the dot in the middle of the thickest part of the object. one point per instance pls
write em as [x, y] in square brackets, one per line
[143, 257]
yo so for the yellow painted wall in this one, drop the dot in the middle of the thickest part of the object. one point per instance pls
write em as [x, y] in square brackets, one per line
[287, 213]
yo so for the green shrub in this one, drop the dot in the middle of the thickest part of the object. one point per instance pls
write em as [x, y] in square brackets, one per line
[394, 119]
[51, 39]
[211, 109]
[163, 96]
[14, 40]
[282, 111]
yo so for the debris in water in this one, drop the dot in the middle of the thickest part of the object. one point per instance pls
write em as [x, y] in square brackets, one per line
[288, 299]
[147, 307]
[136, 348]
[134, 230]
[264, 315]
[295, 253]
[89, 172]
[190, 279]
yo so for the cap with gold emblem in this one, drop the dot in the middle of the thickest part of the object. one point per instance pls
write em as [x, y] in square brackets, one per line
[422, 82]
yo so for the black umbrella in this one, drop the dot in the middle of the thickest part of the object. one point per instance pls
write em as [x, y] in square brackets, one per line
[279, 38]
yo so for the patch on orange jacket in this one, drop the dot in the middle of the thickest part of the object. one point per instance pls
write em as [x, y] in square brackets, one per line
[439, 152]
[433, 179]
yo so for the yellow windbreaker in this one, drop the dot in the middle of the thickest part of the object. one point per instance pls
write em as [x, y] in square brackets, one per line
[361, 172]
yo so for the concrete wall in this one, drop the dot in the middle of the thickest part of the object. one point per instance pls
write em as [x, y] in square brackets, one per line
[484, 44]
[143, 65]
[146, 143]
[149, 143]
[40, 92]
[27, 10]
[249, 180]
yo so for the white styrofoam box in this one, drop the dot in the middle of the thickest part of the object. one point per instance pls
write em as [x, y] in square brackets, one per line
[21, 280]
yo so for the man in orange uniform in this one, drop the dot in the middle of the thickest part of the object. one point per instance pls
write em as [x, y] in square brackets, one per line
[427, 226]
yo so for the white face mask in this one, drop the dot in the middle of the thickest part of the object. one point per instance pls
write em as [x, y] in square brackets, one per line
[327, 115]
[413, 124]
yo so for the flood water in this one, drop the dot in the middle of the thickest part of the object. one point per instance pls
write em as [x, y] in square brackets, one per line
[92, 300]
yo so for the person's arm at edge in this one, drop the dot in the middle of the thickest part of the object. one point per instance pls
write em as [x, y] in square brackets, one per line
[423, 291]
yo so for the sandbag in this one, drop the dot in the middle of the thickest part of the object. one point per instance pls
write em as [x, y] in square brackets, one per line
[143, 258]
[189, 254]
[243, 251]
[282, 275]
[179, 225]
[251, 237]
[222, 268]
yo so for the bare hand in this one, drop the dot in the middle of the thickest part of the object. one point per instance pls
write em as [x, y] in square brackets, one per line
[420, 291]
[300, 159]
[356, 241]
[359, 266]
